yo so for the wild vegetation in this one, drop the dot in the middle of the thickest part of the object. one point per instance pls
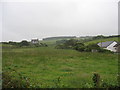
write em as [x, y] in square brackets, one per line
[23, 43]
[86, 40]
[77, 45]
[48, 67]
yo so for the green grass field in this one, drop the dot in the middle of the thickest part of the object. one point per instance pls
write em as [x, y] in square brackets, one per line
[53, 42]
[45, 66]
[103, 40]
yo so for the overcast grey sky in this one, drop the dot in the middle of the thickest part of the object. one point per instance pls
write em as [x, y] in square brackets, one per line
[27, 19]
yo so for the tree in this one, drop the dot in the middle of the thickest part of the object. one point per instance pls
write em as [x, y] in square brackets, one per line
[71, 42]
[99, 37]
[79, 46]
[12, 43]
[24, 43]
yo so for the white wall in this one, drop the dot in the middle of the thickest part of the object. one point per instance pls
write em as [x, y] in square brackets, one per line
[111, 47]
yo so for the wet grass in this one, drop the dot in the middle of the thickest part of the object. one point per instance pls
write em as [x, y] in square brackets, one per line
[45, 65]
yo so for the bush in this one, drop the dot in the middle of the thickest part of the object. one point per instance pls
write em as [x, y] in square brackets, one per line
[109, 85]
[90, 47]
[24, 43]
[79, 46]
[10, 82]
[104, 50]
[70, 42]
[13, 79]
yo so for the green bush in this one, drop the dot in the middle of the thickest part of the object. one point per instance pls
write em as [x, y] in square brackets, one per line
[109, 85]
[104, 50]
[13, 79]
[24, 43]
[79, 46]
[10, 82]
[92, 46]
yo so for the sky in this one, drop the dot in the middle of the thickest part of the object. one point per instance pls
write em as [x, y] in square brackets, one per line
[28, 19]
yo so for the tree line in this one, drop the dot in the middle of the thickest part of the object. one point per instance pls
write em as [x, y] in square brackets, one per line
[25, 43]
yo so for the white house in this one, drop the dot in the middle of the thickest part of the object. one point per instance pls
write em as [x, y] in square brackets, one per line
[109, 45]
[117, 47]
[35, 41]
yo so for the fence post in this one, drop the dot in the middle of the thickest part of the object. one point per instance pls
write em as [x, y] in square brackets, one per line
[96, 80]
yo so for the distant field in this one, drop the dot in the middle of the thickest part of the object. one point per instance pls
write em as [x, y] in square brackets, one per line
[49, 42]
[75, 69]
[103, 40]
[53, 42]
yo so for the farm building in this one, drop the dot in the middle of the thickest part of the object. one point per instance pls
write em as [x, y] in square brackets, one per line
[109, 45]
[35, 41]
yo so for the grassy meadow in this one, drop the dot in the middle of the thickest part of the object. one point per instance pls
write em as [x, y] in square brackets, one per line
[48, 67]
[52, 43]
[103, 40]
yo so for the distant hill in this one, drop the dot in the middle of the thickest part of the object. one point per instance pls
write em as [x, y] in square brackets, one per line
[86, 40]
[103, 40]
[51, 41]
[60, 37]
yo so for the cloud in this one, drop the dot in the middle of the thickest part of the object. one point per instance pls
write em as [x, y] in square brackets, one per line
[26, 20]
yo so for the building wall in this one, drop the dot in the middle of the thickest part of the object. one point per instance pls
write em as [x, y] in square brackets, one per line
[111, 47]
[36, 41]
[117, 49]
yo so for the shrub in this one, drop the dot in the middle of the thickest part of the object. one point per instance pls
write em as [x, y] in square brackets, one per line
[104, 50]
[79, 46]
[13, 79]
[10, 82]
[70, 42]
[99, 83]
[24, 43]
[91, 47]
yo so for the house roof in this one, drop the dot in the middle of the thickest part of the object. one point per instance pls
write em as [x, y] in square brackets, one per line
[105, 44]
[118, 44]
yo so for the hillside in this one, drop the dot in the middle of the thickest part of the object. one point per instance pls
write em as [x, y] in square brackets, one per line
[60, 37]
[103, 40]
[48, 67]
[53, 42]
